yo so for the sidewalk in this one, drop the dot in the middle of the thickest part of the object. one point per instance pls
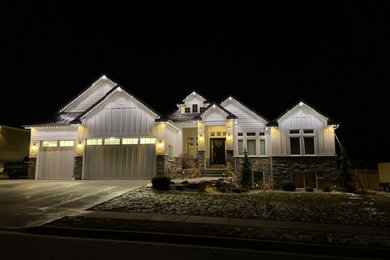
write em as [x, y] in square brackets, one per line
[258, 223]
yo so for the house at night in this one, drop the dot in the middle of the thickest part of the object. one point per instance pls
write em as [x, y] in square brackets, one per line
[108, 133]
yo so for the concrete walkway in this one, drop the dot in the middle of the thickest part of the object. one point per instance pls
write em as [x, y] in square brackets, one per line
[259, 223]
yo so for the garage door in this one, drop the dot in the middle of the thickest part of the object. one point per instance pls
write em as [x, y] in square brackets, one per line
[129, 158]
[56, 160]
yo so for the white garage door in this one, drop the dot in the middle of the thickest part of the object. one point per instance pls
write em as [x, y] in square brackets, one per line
[56, 160]
[119, 159]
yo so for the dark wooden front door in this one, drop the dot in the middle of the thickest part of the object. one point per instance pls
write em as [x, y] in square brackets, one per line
[217, 150]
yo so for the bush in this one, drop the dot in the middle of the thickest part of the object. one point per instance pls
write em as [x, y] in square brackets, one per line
[161, 182]
[309, 189]
[326, 188]
[289, 186]
[239, 190]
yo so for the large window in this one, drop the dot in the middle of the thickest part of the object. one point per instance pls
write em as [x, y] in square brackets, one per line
[240, 147]
[309, 145]
[251, 145]
[130, 141]
[194, 108]
[302, 142]
[262, 147]
[295, 145]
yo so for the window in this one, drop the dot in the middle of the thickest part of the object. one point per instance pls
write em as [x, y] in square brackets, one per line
[308, 131]
[294, 145]
[261, 134]
[240, 147]
[170, 153]
[94, 142]
[240, 134]
[309, 145]
[147, 140]
[251, 134]
[194, 108]
[262, 147]
[130, 141]
[218, 133]
[294, 132]
[202, 109]
[251, 145]
[112, 141]
[212, 134]
[49, 144]
[187, 110]
[67, 143]
[224, 133]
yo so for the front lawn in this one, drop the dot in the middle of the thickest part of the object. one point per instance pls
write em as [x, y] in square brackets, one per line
[336, 208]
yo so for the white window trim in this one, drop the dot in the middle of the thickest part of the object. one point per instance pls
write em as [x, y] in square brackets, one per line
[245, 139]
[301, 135]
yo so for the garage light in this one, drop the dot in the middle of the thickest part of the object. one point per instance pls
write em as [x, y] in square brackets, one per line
[80, 145]
[160, 143]
[34, 147]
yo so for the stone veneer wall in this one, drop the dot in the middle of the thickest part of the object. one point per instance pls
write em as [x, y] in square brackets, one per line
[78, 167]
[161, 164]
[284, 167]
[176, 164]
[32, 164]
[259, 164]
[201, 159]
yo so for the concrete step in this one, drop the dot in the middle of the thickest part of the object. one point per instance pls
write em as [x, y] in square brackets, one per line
[214, 172]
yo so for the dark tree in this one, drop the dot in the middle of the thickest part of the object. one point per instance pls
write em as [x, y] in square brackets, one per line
[246, 170]
[344, 179]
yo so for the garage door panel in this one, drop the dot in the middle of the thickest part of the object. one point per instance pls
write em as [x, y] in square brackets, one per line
[55, 163]
[120, 161]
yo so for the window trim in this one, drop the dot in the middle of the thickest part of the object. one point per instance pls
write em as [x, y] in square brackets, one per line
[60, 141]
[245, 138]
[196, 108]
[187, 109]
[301, 135]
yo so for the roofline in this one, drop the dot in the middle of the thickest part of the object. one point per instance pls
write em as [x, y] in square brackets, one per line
[230, 115]
[329, 120]
[84, 90]
[204, 99]
[78, 119]
[50, 125]
[246, 106]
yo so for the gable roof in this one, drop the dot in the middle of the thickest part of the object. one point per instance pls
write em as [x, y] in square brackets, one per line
[192, 94]
[216, 105]
[84, 93]
[301, 102]
[117, 88]
[245, 106]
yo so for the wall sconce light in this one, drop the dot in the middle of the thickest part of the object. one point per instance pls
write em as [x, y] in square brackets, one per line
[201, 138]
[160, 143]
[34, 147]
[229, 137]
[80, 145]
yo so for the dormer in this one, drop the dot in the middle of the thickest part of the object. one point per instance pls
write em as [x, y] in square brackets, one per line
[193, 103]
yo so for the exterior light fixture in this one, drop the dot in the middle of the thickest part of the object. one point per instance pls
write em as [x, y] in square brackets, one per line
[201, 137]
[80, 145]
[160, 143]
[34, 147]
[229, 137]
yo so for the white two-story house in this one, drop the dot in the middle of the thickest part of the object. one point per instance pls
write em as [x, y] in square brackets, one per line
[108, 133]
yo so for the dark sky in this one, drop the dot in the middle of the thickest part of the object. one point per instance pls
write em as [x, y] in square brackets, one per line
[335, 56]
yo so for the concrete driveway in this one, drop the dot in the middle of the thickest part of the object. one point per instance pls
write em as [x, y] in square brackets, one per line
[28, 203]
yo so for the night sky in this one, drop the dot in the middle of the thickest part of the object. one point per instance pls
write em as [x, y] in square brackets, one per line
[336, 57]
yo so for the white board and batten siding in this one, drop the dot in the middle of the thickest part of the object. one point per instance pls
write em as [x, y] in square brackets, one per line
[122, 116]
[173, 137]
[301, 118]
[214, 116]
[247, 122]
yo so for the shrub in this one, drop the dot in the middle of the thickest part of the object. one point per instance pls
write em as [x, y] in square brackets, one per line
[289, 186]
[326, 188]
[161, 182]
[246, 170]
[309, 189]
[239, 190]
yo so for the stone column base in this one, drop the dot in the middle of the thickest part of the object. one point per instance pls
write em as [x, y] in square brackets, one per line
[78, 167]
[201, 159]
[161, 164]
[32, 164]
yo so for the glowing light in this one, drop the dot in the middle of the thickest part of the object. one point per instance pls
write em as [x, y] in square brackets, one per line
[80, 145]
[229, 137]
[201, 138]
[160, 144]
[34, 147]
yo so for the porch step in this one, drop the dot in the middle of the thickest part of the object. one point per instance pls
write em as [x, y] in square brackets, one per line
[214, 172]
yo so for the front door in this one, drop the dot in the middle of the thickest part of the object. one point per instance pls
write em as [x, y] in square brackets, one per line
[217, 150]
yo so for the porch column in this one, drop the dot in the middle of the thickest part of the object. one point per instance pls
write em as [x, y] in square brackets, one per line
[229, 142]
[201, 146]
[79, 156]
[161, 158]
